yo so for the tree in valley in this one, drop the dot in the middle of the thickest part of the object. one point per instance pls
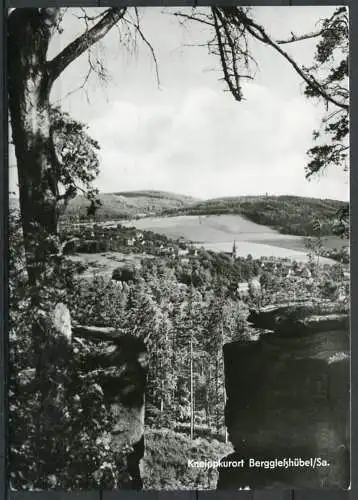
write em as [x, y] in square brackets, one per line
[314, 246]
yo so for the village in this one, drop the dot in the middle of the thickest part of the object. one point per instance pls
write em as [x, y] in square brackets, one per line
[271, 278]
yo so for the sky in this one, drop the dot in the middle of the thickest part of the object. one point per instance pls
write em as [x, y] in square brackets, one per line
[188, 135]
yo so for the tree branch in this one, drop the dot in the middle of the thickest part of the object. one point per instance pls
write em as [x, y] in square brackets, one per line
[137, 27]
[295, 38]
[235, 15]
[83, 42]
[194, 18]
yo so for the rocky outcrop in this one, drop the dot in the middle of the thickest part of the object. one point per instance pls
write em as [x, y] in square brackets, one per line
[299, 318]
[288, 398]
[120, 369]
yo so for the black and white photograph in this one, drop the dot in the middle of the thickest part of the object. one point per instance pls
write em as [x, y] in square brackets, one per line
[179, 255]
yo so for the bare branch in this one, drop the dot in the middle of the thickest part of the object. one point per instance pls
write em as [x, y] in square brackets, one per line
[89, 18]
[83, 42]
[237, 16]
[194, 18]
[298, 38]
[82, 86]
[235, 88]
[138, 29]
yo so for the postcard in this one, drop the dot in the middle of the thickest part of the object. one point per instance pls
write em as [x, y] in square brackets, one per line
[179, 265]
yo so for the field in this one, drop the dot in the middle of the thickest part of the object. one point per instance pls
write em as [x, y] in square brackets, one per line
[218, 233]
[105, 263]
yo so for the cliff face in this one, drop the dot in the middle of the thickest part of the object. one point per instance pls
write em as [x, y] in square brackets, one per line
[120, 369]
[288, 397]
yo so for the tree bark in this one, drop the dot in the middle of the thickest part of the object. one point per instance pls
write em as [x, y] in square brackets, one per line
[191, 390]
[29, 88]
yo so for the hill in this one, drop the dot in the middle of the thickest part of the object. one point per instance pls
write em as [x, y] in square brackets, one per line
[287, 214]
[293, 215]
[131, 204]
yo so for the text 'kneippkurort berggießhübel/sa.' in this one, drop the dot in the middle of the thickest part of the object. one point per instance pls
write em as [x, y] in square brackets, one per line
[277, 463]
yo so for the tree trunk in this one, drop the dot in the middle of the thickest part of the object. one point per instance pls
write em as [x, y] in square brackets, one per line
[224, 401]
[29, 33]
[29, 89]
[209, 392]
[191, 390]
[217, 399]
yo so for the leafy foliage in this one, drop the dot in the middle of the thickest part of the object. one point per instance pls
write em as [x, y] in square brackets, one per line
[165, 465]
[76, 163]
[331, 67]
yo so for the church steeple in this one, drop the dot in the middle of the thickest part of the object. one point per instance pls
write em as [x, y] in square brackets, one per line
[234, 250]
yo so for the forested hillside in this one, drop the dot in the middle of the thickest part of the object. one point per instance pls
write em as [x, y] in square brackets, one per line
[126, 205]
[287, 214]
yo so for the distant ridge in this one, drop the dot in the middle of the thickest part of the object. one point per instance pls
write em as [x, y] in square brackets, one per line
[157, 194]
[129, 204]
[287, 214]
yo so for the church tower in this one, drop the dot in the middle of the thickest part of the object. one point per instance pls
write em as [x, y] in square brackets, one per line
[234, 251]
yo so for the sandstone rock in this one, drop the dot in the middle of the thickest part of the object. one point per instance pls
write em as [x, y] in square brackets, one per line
[119, 366]
[301, 317]
[61, 319]
[288, 396]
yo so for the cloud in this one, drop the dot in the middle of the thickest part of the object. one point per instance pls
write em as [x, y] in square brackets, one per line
[206, 144]
[192, 137]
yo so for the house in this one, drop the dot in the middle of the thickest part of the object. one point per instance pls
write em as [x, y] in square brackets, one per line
[182, 253]
[255, 283]
[243, 289]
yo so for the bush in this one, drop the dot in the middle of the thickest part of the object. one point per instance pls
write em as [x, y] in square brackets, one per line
[58, 424]
[125, 274]
[165, 463]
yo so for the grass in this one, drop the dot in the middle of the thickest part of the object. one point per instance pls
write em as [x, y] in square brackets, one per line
[105, 263]
[213, 228]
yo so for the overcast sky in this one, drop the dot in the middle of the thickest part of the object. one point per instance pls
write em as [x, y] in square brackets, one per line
[189, 136]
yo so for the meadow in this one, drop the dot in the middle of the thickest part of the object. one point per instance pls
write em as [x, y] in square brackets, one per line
[218, 233]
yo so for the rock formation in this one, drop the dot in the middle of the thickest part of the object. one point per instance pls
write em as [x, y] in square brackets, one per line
[288, 398]
[120, 369]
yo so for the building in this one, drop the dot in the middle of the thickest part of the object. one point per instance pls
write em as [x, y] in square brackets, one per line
[234, 251]
[182, 253]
